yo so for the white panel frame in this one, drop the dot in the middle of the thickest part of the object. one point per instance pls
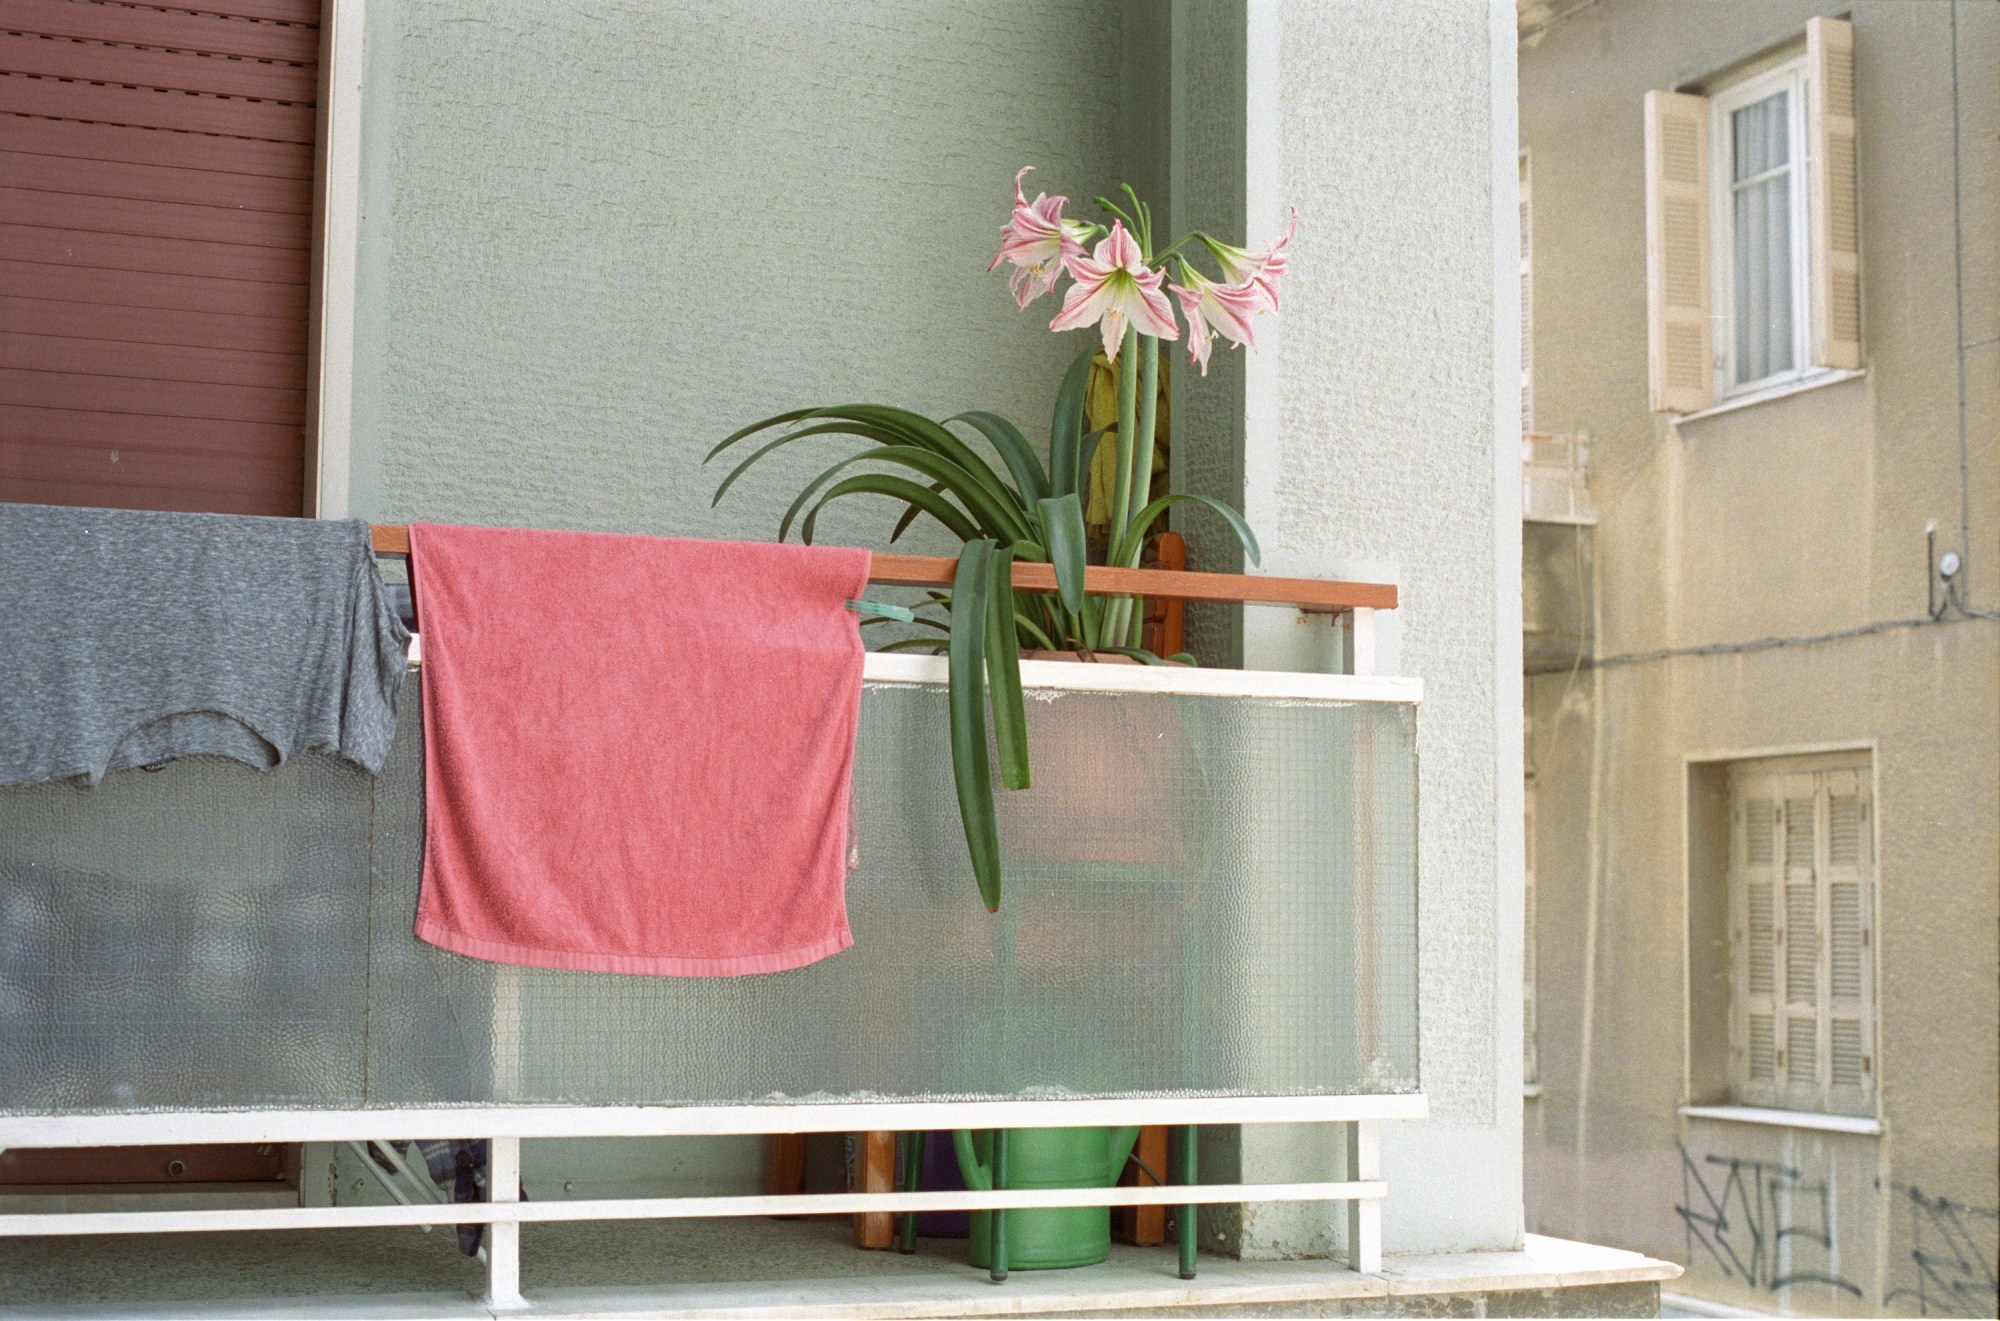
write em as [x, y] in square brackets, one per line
[336, 258]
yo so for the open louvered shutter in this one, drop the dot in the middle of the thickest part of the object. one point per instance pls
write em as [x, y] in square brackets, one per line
[1756, 935]
[1678, 335]
[156, 215]
[1836, 231]
[1799, 942]
[1849, 870]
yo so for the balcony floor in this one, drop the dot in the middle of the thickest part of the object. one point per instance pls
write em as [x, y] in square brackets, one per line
[750, 1268]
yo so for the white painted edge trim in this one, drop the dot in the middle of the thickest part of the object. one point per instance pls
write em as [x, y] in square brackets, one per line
[1782, 390]
[337, 259]
[1751, 1114]
[1069, 676]
[161, 1127]
[19, 1225]
[1531, 1091]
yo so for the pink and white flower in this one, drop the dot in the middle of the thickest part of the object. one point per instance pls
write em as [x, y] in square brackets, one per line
[1213, 308]
[1038, 241]
[1114, 288]
[1262, 269]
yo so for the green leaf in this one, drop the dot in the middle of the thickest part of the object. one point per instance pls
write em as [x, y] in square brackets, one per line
[1136, 653]
[1184, 658]
[1033, 551]
[969, 764]
[932, 645]
[1033, 630]
[1003, 668]
[1126, 548]
[916, 429]
[994, 518]
[857, 429]
[909, 517]
[782, 419]
[898, 489]
[1062, 524]
[1066, 453]
[1030, 482]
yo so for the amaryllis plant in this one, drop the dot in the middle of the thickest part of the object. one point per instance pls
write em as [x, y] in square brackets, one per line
[1019, 508]
[1120, 285]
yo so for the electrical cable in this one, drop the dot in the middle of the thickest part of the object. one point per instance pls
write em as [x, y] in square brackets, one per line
[1770, 644]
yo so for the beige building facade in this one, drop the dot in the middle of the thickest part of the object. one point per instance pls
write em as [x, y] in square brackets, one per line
[1761, 278]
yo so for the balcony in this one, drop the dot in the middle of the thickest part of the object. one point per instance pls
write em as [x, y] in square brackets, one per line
[1210, 917]
[1558, 553]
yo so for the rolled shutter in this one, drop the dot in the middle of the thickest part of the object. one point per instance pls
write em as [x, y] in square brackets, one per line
[1678, 337]
[156, 198]
[1836, 230]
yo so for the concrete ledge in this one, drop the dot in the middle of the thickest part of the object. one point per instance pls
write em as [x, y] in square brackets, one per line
[802, 1269]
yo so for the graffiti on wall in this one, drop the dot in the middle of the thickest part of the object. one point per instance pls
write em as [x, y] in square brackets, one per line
[1760, 1222]
[1949, 1260]
[1771, 1226]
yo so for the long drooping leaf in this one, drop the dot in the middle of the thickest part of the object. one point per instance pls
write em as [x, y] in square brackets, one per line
[1062, 528]
[1139, 654]
[781, 419]
[917, 429]
[993, 514]
[861, 430]
[1033, 630]
[1003, 669]
[1029, 479]
[825, 478]
[932, 645]
[970, 769]
[1066, 456]
[1126, 552]
[896, 488]
[909, 517]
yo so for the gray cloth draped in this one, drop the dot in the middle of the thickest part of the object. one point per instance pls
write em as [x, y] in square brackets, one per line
[129, 638]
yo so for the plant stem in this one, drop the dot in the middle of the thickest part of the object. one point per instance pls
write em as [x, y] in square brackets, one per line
[1121, 490]
[1142, 466]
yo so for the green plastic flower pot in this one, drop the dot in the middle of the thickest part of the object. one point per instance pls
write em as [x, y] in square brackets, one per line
[1043, 1238]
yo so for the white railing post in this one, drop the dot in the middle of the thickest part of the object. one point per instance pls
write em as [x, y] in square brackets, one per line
[1364, 1217]
[503, 1240]
[1357, 641]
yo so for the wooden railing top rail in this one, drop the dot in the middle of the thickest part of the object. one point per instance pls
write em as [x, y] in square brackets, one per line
[936, 570]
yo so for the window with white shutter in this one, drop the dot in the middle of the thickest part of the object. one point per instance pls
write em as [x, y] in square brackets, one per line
[1801, 882]
[1753, 244]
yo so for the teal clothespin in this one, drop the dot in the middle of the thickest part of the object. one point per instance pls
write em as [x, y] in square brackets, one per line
[883, 610]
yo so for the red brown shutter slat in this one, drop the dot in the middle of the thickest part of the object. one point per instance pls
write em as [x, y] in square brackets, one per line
[138, 252]
[81, 140]
[154, 183]
[179, 220]
[178, 435]
[158, 362]
[155, 252]
[155, 70]
[141, 107]
[76, 285]
[166, 28]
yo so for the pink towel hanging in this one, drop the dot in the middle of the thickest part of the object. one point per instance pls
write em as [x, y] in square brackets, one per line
[638, 752]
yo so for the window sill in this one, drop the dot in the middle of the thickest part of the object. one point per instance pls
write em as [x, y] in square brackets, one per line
[1751, 1114]
[1782, 390]
[1531, 1091]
